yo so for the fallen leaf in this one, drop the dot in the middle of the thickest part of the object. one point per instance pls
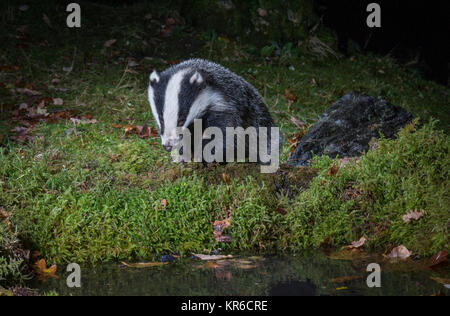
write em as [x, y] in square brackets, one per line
[41, 269]
[211, 257]
[164, 202]
[4, 214]
[357, 244]
[413, 215]
[58, 101]
[290, 96]
[333, 170]
[144, 264]
[400, 252]
[116, 125]
[128, 129]
[298, 123]
[226, 179]
[143, 131]
[109, 42]
[439, 258]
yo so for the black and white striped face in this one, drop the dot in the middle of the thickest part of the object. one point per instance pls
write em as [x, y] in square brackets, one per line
[176, 99]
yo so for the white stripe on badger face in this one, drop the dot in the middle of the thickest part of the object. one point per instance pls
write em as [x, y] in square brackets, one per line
[151, 100]
[204, 99]
[171, 108]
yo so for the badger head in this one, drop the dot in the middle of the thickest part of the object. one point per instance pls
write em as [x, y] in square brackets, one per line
[177, 98]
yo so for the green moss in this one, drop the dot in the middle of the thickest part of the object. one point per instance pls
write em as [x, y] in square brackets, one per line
[369, 198]
[13, 269]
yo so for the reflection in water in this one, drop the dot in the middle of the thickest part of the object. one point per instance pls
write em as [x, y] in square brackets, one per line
[290, 275]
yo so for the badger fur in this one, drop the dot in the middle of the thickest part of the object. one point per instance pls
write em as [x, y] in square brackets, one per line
[200, 89]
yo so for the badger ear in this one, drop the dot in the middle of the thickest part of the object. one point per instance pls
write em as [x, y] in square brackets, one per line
[154, 77]
[196, 78]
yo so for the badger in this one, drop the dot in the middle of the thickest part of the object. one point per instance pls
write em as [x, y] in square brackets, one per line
[198, 89]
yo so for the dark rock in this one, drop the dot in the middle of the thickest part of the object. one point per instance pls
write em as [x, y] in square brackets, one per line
[346, 128]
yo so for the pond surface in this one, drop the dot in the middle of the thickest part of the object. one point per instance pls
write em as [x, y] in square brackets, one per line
[290, 275]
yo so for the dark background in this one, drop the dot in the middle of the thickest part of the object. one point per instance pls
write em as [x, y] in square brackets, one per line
[414, 32]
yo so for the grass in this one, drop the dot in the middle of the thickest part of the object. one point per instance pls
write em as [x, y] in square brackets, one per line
[89, 193]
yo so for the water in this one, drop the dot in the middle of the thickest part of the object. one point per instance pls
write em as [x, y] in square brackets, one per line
[290, 275]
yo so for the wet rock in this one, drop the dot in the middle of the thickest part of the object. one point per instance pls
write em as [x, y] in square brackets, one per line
[346, 128]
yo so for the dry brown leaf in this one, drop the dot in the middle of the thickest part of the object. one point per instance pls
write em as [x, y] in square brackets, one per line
[290, 96]
[109, 42]
[439, 258]
[128, 129]
[357, 244]
[116, 125]
[400, 252]
[41, 269]
[226, 179]
[413, 215]
[58, 101]
[333, 170]
[298, 123]
[143, 131]
[144, 264]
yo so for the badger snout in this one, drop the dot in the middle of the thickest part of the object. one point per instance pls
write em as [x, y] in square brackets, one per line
[167, 148]
[168, 143]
